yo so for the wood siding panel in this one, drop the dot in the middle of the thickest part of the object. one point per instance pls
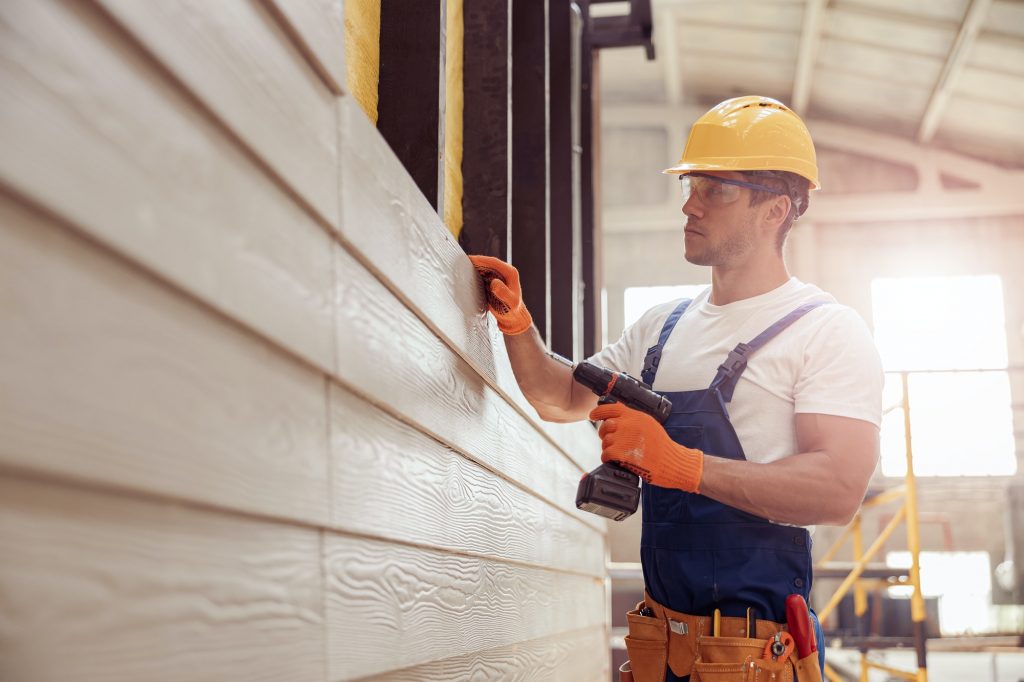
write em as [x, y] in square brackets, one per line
[254, 421]
[387, 354]
[117, 590]
[578, 440]
[318, 28]
[96, 133]
[108, 376]
[393, 482]
[238, 60]
[573, 657]
[392, 229]
[406, 606]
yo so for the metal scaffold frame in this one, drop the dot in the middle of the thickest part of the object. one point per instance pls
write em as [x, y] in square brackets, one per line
[907, 512]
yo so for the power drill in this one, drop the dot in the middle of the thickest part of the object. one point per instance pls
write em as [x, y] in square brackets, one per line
[609, 490]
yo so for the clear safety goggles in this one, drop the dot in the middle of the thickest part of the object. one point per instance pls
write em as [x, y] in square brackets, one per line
[715, 191]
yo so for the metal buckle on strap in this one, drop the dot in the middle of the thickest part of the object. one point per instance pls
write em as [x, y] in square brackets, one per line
[736, 361]
[652, 359]
[678, 627]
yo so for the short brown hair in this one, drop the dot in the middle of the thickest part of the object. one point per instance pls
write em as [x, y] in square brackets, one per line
[796, 187]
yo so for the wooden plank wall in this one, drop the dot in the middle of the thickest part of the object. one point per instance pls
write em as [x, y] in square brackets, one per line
[254, 424]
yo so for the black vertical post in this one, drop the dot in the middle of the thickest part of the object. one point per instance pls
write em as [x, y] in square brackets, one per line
[592, 281]
[486, 121]
[530, 170]
[563, 273]
[409, 114]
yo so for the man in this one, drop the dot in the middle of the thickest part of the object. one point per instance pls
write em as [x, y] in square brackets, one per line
[776, 388]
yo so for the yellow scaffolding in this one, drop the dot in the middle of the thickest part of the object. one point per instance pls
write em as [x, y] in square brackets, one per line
[908, 512]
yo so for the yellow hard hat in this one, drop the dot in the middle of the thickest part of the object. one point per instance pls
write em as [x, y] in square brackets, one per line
[747, 134]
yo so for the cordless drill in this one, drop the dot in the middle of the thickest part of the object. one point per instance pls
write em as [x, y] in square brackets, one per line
[609, 490]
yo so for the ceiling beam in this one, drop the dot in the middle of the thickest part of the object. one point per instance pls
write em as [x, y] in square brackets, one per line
[969, 28]
[901, 150]
[669, 53]
[810, 38]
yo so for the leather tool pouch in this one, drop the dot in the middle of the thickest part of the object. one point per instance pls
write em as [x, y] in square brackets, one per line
[647, 645]
[737, 659]
[683, 643]
[808, 668]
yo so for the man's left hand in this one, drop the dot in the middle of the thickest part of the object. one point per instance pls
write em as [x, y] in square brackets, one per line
[640, 444]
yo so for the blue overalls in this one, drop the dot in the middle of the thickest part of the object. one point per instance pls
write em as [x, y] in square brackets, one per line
[699, 554]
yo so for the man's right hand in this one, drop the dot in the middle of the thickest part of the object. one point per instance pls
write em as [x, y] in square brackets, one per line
[504, 295]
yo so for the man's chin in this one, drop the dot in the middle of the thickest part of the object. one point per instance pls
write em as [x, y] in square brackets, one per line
[695, 257]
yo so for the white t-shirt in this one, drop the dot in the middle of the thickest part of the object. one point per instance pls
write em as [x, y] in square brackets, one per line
[825, 362]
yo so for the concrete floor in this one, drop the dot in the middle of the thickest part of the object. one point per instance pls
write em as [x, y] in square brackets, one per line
[986, 666]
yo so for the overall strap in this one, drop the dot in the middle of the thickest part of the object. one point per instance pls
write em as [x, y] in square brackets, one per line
[653, 357]
[729, 371]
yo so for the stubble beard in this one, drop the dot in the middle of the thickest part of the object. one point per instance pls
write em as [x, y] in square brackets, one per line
[739, 243]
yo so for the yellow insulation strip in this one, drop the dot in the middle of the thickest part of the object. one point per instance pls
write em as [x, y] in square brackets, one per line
[362, 52]
[453, 118]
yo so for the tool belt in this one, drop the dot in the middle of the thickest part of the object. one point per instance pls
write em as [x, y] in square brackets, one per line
[685, 644]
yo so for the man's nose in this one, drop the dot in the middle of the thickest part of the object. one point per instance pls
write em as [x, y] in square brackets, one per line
[691, 207]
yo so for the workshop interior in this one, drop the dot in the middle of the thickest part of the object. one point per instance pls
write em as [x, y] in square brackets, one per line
[260, 418]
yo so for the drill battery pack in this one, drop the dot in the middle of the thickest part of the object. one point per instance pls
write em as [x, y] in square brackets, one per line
[609, 491]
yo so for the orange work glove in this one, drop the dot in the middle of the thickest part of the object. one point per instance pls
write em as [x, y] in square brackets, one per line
[504, 296]
[637, 442]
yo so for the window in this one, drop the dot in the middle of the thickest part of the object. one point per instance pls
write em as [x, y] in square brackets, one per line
[964, 605]
[949, 333]
[638, 300]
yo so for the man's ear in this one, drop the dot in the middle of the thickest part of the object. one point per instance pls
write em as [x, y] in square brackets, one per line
[778, 209]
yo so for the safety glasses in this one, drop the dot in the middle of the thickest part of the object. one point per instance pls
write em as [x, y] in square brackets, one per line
[716, 191]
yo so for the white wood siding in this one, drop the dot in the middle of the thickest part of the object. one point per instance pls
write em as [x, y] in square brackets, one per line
[254, 424]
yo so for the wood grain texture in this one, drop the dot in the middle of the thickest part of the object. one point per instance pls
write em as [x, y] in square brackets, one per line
[318, 26]
[95, 132]
[393, 482]
[118, 590]
[578, 440]
[578, 656]
[109, 376]
[390, 356]
[405, 606]
[388, 223]
[237, 59]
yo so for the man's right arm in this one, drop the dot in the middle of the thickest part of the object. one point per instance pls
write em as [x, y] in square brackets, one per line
[546, 382]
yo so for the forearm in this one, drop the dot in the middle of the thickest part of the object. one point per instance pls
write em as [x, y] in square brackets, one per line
[547, 383]
[823, 484]
[803, 489]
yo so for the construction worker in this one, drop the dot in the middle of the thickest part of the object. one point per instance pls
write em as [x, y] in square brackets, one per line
[776, 391]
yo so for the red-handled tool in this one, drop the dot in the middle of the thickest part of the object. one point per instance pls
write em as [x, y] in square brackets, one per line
[798, 618]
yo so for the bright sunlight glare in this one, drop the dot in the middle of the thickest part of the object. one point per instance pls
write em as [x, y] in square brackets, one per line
[961, 422]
